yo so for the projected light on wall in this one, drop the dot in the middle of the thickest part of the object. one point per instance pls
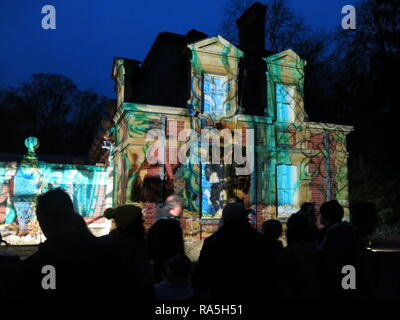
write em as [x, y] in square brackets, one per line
[89, 187]
[287, 184]
[285, 102]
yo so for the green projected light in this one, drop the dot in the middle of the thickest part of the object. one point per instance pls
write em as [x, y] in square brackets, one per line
[90, 188]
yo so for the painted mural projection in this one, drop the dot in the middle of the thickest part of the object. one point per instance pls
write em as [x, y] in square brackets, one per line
[87, 186]
[296, 160]
[286, 174]
[214, 186]
[20, 183]
[7, 210]
[214, 179]
[316, 152]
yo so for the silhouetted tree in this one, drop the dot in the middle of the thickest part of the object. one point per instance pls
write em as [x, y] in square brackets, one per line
[50, 107]
[282, 26]
[364, 217]
[89, 109]
[350, 78]
[365, 89]
[283, 30]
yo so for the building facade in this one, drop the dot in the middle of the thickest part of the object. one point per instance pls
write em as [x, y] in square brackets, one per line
[202, 118]
[247, 98]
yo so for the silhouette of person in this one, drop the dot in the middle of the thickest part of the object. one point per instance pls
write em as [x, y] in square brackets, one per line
[79, 259]
[8, 264]
[307, 209]
[251, 213]
[298, 270]
[227, 257]
[165, 236]
[340, 246]
[235, 199]
[176, 284]
[272, 231]
[129, 240]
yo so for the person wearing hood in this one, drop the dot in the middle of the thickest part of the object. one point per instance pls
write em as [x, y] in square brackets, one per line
[165, 236]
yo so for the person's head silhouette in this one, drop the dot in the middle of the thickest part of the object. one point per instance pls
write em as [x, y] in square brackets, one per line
[128, 219]
[55, 213]
[234, 212]
[298, 230]
[177, 269]
[272, 229]
[331, 212]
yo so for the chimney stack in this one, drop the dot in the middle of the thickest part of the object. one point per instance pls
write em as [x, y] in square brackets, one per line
[252, 67]
[251, 27]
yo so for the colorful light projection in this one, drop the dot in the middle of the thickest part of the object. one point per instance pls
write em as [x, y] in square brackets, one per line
[285, 103]
[296, 160]
[287, 187]
[90, 188]
[213, 99]
[215, 91]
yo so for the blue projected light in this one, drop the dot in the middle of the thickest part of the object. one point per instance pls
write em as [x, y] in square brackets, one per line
[206, 206]
[284, 100]
[215, 89]
[287, 183]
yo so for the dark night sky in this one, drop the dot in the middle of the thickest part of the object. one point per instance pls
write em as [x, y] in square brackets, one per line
[91, 32]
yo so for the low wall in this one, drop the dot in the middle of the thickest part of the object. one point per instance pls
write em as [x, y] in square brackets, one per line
[90, 188]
